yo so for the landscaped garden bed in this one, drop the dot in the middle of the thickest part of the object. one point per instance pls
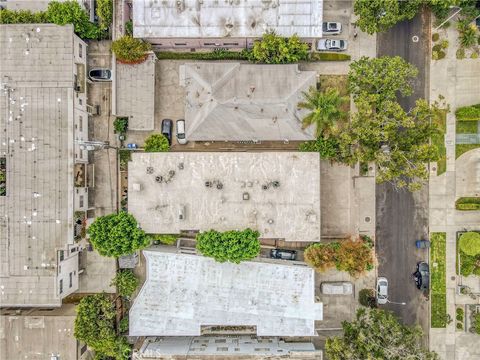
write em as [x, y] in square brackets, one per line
[438, 280]
[468, 255]
[468, 203]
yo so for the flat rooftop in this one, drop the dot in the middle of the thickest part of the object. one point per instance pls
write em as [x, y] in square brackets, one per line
[245, 18]
[183, 292]
[36, 138]
[276, 193]
[235, 101]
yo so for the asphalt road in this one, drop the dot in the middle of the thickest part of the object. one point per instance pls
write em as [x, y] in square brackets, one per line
[402, 217]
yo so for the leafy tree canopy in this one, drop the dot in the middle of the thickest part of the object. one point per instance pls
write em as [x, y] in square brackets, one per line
[105, 13]
[115, 235]
[233, 246]
[377, 334]
[126, 282]
[130, 50]
[470, 243]
[380, 15]
[324, 110]
[381, 78]
[329, 148]
[156, 143]
[274, 49]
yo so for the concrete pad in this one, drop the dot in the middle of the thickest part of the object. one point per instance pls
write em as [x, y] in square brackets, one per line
[468, 174]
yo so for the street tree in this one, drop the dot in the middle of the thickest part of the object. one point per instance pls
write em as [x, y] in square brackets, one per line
[377, 334]
[324, 110]
[233, 246]
[380, 15]
[115, 235]
[397, 141]
[381, 78]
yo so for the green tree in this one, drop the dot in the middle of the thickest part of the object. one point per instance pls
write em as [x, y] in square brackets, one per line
[105, 13]
[274, 49]
[377, 334]
[381, 78]
[470, 243]
[115, 235]
[381, 15]
[120, 125]
[234, 246]
[156, 143]
[126, 282]
[130, 50]
[95, 326]
[70, 12]
[397, 141]
[325, 110]
[468, 33]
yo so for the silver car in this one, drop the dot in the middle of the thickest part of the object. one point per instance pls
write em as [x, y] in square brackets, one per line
[181, 139]
[382, 291]
[331, 45]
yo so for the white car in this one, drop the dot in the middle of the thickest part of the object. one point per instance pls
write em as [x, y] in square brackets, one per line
[181, 139]
[331, 45]
[382, 291]
[332, 28]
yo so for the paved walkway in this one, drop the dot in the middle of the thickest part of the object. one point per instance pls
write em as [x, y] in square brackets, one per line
[459, 82]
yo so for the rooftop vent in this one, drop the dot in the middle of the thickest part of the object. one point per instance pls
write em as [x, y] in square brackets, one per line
[149, 170]
[180, 166]
[246, 196]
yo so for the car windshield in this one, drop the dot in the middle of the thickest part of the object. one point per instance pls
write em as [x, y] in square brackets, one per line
[181, 136]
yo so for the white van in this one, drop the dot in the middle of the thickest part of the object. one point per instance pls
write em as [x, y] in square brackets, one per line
[181, 132]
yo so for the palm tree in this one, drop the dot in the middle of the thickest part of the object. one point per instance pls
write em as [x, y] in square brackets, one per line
[324, 109]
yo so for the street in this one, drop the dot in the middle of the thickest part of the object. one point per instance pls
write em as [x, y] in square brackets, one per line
[402, 217]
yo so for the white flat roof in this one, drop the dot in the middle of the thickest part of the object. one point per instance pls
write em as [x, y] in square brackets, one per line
[183, 292]
[289, 211]
[245, 18]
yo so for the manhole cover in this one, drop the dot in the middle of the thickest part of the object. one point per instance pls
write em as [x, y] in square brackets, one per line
[415, 38]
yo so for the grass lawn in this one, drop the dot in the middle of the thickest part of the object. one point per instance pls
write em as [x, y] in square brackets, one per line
[467, 127]
[438, 280]
[463, 148]
[439, 141]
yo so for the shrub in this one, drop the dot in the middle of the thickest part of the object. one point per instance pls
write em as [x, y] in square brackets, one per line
[115, 235]
[120, 124]
[105, 13]
[126, 282]
[366, 297]
[444, 44]
[467, 33]
[437, 47]
[459, 326]
[459, 311]
[470, 243]
[474, 55]
[460, 54]
[327, 147]
[476, 322]
[157, 143]
[70, 12]
[130, 50]
[217, 54]
[352, 256]
[22, 17]
[123, 325]
[274, 49]
[163, 238]
[129, 28]
[468, 203]
[441, 55]
[468, 113]
[233, 246]
[326, 56]
[434, 55]
[125, 157]
[435, 37]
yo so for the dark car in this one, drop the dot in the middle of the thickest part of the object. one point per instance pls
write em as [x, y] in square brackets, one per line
[167, 126]
[283, 254]
[100, 75]
[422, 276]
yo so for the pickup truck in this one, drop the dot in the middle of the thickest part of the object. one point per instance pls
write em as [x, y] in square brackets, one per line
[332, 28]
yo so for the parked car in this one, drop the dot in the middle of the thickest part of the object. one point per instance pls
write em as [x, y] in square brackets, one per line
[331, 45]
[167, 126]
[422, 276]
[132, 146]
[283, 254]
[382, 290]
[181, 139]
[100, 75]
[332, 28]
[422, 244]
[336, 288]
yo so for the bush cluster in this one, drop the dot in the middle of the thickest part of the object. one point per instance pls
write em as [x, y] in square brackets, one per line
[126, 282]
[468, 203]
[326, 56]
[125, 156]
[470, 243]
[166, 239]
[275, 49]
[217, 54]
[468, 113]
[469, 250]
[60, 13]
[156, 143]
[120, 125]
[130, 50]
[327, 147]
[352, 256]
[366, 297]
[105, 13]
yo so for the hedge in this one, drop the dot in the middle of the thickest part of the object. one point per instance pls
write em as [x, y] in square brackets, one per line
[468, 113]
[468, 203]
[211, 55]
[326, 56]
